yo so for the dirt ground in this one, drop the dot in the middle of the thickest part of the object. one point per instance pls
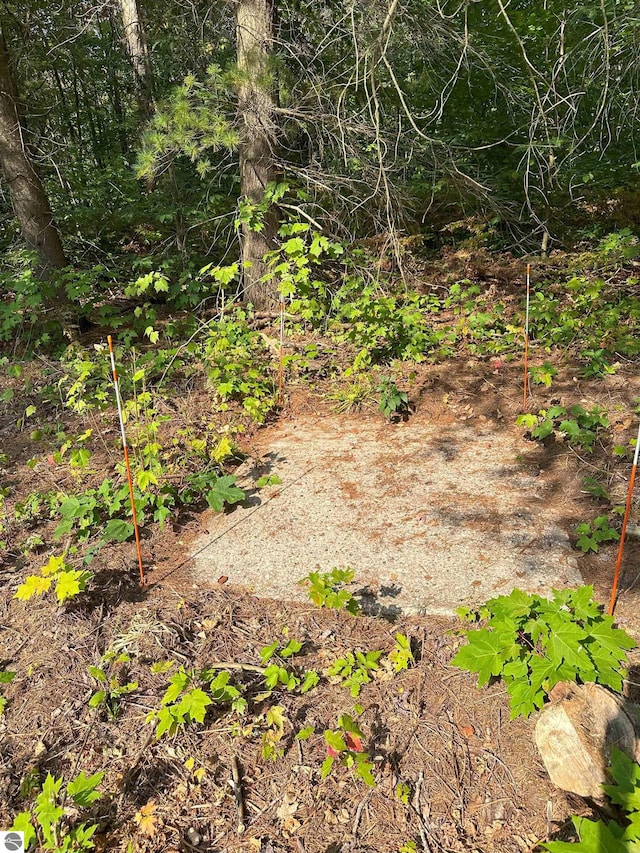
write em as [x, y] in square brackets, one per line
[474, 780]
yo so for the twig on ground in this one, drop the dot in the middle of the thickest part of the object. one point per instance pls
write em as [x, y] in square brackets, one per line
[356, 820]
[417, 807]
[236, 786]
[128, 775]
[248, 667]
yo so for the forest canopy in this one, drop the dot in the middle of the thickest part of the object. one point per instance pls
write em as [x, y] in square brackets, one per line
[140, 137]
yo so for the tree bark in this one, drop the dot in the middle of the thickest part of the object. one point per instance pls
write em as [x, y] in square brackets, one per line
[256, 118]
[136, 45]
[28, 197]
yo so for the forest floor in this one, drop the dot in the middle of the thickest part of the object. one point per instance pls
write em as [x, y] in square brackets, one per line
[452, 771]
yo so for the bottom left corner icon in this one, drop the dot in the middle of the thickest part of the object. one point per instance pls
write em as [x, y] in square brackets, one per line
[11, 842]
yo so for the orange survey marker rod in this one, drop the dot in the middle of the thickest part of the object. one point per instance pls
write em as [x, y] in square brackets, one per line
[526, 340]
[126, 457]
[623, 533]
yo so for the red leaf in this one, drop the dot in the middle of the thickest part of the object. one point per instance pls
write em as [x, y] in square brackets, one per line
[354, 742]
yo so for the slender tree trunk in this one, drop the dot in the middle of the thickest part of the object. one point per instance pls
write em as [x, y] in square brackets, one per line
[28, 197]
[115, 90]
[256, 114]
[139, 55]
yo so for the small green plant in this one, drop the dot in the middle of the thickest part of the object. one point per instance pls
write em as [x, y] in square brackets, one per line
[6, 677]
[533, 643]
[596, 836]
[594, 487]
[47, 823]
[403, 793]
[543, 374]
[392, 400]
[272, 737]
[113, 682]
[354, 670]
[68, 582]
[597, 365]
[268, 480]
[401, 656]
[591, 534]
[189, 695]
[276, 675]
[326, 589]
[354, 396]
[578, 426]
[344, 744]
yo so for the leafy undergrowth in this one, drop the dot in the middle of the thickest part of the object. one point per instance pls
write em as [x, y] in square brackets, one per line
[396, 750]
[131, 714]
[533, 643]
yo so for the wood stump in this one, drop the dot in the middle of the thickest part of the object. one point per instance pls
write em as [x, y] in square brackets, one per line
[576, 731]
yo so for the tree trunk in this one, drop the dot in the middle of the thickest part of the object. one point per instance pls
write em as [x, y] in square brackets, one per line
[256, 115]
[28, 197]
[139, 55]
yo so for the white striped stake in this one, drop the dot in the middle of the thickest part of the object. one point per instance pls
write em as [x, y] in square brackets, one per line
[623, 533]
[526, 341]
[126, 457]
[281, 355]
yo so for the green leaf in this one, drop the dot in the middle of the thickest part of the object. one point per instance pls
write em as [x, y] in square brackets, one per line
[47, 812]
[595, 837]
[305, 734]
[117, 530]
[177, 684]
[327, 766]
[98, 673]
[292, 648]
[268, 480]
[162, 666]
[195, 704]
[311, 680]
[294, 246]
[362, 770]
[22, 823]
[98, 699]
[6, 677]
[484, 654]
[626, 774]
[335, 741]
[224, 492]
[82, 789]
[166, 722]
[275, 717]
[528, 420]
[267, 652]
[565, 643]
[525, 699]
[543, 430]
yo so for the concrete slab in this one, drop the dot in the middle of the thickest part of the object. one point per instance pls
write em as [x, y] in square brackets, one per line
[430, 517]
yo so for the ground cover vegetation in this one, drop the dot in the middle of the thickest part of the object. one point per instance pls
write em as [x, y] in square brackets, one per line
[266, 202]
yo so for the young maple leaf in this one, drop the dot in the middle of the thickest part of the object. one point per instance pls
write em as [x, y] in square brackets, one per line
[146, 819]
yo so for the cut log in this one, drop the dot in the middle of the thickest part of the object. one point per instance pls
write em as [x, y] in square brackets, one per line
[576, 731]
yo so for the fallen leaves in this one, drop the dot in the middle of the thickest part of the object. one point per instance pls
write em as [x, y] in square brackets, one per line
[147, 819]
